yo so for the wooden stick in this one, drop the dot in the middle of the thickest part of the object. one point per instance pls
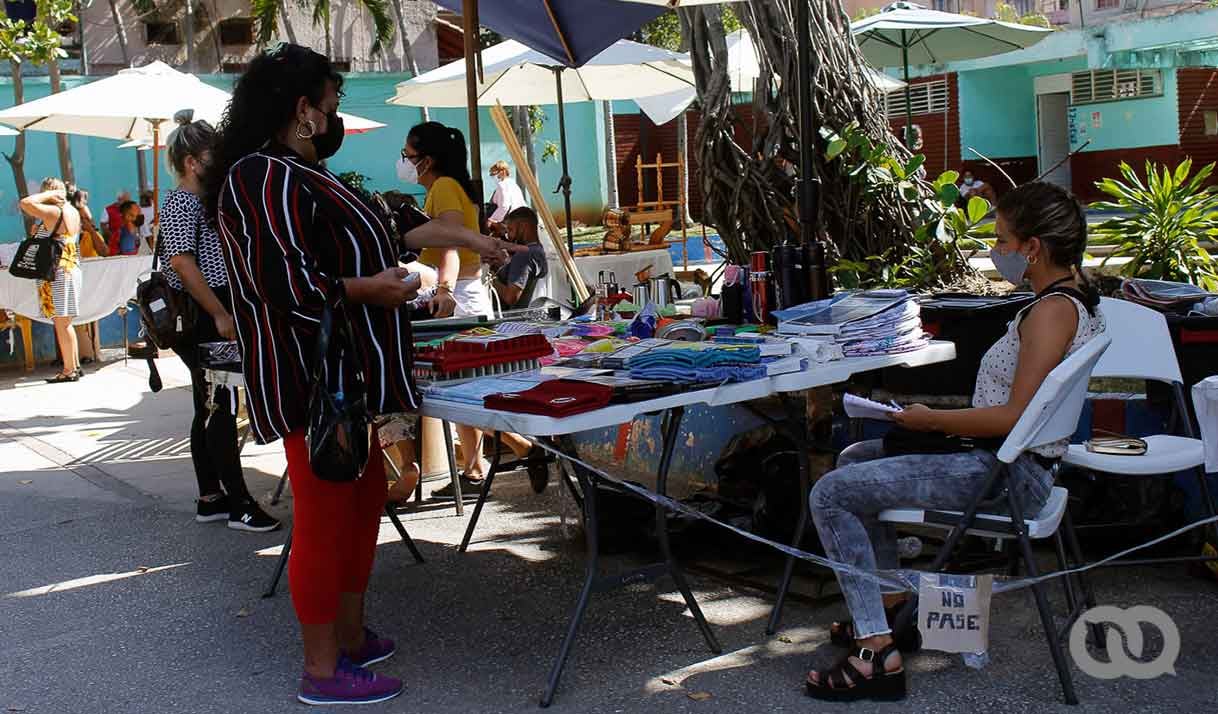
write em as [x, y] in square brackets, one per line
[681, 199]
[499, 116]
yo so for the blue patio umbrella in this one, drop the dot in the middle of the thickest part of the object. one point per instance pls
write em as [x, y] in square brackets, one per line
[571, 32]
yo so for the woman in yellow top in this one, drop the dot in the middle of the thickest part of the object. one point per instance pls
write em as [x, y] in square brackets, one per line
[434, 156]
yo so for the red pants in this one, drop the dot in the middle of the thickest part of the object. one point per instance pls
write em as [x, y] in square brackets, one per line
[334, 532]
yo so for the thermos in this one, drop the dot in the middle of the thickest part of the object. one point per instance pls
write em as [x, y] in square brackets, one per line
[820, 286]
[733, 293]
[760, 288]
[791, 277]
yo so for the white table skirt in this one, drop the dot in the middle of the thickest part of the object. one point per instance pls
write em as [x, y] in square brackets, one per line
[108, 284]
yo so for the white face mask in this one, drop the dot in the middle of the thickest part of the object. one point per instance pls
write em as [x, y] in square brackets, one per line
[407, 171]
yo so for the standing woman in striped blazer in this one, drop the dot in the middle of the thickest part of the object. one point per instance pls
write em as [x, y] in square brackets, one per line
[296, 239]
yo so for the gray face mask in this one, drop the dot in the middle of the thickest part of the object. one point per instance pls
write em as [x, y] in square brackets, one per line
[1011, 266]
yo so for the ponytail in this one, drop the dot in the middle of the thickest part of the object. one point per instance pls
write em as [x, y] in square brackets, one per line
[445, 146]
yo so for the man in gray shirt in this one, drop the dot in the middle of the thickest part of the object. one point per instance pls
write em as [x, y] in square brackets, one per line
[516, 280]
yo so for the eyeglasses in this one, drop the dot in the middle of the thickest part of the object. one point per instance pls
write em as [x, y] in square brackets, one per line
[408, 157]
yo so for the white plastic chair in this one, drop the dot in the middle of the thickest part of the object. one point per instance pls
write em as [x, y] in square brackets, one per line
[1051, 416]
[1142, 349]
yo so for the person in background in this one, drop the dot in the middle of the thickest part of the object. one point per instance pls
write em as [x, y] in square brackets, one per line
[297, 240]
[114, 221]
[1041, 235]
[193, 264]
[971, 186]
[507, 197]
[434, 156]
[60, 298]
[514, 283]
[130, 222]
[92, 245]
[148, 211]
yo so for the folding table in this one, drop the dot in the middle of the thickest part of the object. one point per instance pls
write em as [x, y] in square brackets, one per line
[557, 433]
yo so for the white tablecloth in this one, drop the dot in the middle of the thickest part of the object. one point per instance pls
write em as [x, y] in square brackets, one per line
[624, 266]
[108, 284]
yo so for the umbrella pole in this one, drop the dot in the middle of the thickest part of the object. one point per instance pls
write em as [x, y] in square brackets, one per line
[564, 184]
[909, 130]
[806, 74]
[469, 22]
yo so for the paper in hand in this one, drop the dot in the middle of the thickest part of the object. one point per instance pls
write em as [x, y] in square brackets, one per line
[860, 408]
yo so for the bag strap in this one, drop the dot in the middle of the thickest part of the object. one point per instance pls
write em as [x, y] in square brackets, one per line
[325, 335]
[58, 223]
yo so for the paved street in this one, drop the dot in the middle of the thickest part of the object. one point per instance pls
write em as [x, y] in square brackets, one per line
[113, 600]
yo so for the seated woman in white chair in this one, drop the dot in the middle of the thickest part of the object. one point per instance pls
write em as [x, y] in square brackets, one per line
[1041, 237]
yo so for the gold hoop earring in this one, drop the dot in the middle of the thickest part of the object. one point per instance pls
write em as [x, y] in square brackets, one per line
[1034, 260]
[300, 132]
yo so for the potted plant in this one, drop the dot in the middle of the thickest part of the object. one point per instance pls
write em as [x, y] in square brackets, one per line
[1166, 219]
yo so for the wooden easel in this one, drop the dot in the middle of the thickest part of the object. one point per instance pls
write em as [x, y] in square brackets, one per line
[644, 213]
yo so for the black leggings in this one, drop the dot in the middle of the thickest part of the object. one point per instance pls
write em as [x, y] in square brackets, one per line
[213, 442]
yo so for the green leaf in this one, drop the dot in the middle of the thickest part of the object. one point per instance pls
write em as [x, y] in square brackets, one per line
[949, 194]
[836, 147]
[977, 208]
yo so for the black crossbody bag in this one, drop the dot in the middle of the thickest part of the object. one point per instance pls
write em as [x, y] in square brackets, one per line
[337, 433]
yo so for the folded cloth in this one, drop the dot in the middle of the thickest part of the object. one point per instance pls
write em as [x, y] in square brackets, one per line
[694, 355]
[699, 375]
[556, 398]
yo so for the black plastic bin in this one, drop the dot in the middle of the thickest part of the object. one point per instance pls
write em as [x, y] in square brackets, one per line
[974, 323]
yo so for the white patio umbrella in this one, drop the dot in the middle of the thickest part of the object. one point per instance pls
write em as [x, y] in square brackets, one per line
[515, 75]
[150, 96]
[905, 33]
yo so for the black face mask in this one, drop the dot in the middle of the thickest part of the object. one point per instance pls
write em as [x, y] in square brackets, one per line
[139, 220]
[327, 144]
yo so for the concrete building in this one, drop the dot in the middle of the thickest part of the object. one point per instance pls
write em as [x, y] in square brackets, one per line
[1076, 104]
[225, 34]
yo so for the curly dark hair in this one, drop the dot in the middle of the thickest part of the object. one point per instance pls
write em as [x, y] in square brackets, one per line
[263, 103]
[446, 147]
[1052, 214]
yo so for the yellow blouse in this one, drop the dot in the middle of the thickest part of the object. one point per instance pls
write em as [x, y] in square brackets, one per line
[447, 195]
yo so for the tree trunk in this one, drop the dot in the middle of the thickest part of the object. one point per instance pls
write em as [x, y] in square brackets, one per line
[407, 50]
[120, 31]
[287, 25]
[683, 150]
[611, 155]
[16, 160]
[80, 38]
[66, 172]
[191, 67]
[142, 169]
[329, 39]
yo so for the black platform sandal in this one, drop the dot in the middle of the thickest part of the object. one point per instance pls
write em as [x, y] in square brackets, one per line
[844, 683]
[64, 378]
[907, 641]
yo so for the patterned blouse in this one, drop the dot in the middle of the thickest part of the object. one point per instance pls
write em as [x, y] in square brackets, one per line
[290, 230]
[185, 229]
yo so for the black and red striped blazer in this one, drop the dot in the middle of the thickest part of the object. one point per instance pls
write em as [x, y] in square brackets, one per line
[290, 231]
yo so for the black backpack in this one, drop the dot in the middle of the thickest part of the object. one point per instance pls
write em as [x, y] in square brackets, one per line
[166, 314]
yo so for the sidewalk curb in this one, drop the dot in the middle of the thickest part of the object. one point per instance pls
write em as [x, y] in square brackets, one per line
[66, 461]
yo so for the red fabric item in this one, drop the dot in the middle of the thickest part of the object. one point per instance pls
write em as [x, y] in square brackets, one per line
[114, 225]
[556, 398]
[335, 526]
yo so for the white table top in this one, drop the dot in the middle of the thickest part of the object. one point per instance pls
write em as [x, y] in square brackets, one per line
[815, 376]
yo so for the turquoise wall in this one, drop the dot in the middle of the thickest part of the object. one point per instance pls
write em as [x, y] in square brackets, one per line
[1131, 123]
[105, 169]
[997, 113]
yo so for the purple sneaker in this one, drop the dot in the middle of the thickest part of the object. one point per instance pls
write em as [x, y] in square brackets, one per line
[375, 649]
[349, 685]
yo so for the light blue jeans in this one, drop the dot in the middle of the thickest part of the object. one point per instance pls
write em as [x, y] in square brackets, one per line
[847, 501]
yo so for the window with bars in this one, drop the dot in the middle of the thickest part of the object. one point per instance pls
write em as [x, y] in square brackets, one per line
[1107, 85]
[1107, 4]
[924, 98]
[1048, 7]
